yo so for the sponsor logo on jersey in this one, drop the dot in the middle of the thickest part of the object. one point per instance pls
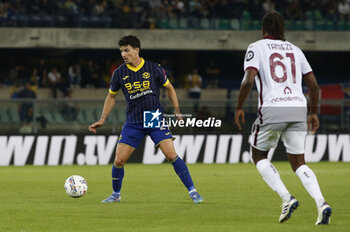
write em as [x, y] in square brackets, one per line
[287, 90]
[126, 77]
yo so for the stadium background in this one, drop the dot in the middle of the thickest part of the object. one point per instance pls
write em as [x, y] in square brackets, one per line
[180, 35]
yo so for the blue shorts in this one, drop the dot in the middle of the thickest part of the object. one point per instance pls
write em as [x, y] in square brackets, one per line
[132, 134]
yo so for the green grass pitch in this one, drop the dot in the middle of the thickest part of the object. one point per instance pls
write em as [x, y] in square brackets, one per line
[153, 199]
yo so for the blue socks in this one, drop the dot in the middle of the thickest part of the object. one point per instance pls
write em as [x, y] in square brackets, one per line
[182, 171]
[179, 166]
[117, 178]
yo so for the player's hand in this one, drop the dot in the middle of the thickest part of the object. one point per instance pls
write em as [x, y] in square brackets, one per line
[178, 114]
[313, 123]
[96, 125]
[239, 116]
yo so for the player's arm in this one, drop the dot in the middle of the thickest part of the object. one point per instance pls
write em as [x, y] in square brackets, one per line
[246, 87]
[173, 98]
[313, 90]
[107, 108]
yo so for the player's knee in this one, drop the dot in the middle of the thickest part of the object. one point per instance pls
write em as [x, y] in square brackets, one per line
[296, 161]
[170, 156]
[119, 162]
[258, 155]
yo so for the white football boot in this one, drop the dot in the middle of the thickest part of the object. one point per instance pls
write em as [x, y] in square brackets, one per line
[288, 208]
[324, 214]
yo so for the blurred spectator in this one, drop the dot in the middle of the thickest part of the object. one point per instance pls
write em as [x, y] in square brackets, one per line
[344, 10]
[70, 7]
[6, 14]
[14, 90]
[45, 7]
[26, 108]
[293, 11]
[268, 6]
[23, 75]
[167, 9]
[256, 10]
[70, 109]
[331, 10]
[92, 76]
[223, 9]
[141, 18]
[179, 9]
[147, 13]
[34, 7]
[74, 74]
[56, 82]
[204, 113]
[40, 74]
[83, 7]
[315, 9]
[99, 8]
[69, 10]
[212, 73]
[194, 81]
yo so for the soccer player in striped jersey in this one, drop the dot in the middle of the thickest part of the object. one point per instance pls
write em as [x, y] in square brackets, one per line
[279, 67]
[140, 81]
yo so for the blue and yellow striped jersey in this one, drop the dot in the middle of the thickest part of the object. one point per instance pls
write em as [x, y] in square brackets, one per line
[140, 86]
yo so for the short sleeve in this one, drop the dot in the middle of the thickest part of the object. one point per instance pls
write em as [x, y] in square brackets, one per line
[162, 76]
[305, 66]
[251, 59]
[115, 83]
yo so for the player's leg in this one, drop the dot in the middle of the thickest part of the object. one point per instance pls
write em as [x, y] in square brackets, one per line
[309, 180]
[179, 165]
[294, 141]
[123, 153]
[263, 139]
[180, 168]
[130, 138]
[307, 177]
[270, 174]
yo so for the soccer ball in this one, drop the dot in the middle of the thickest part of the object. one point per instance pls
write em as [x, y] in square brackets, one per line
[75, 186]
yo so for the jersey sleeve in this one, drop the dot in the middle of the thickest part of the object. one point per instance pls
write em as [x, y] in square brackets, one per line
[251, 59]
[115, 83]
[162, 76]
[305, 66]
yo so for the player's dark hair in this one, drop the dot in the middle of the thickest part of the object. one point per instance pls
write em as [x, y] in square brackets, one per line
[272, 24]
[131, 40]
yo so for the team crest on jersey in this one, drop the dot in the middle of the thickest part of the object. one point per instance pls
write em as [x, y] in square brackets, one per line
[249, 56]
[146, 75]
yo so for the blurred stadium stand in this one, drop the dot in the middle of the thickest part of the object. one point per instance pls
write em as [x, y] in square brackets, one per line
[50, 115]
[172, 14]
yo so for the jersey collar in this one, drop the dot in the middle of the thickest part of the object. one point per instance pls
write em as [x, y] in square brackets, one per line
[270, 37]
[135, 69]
